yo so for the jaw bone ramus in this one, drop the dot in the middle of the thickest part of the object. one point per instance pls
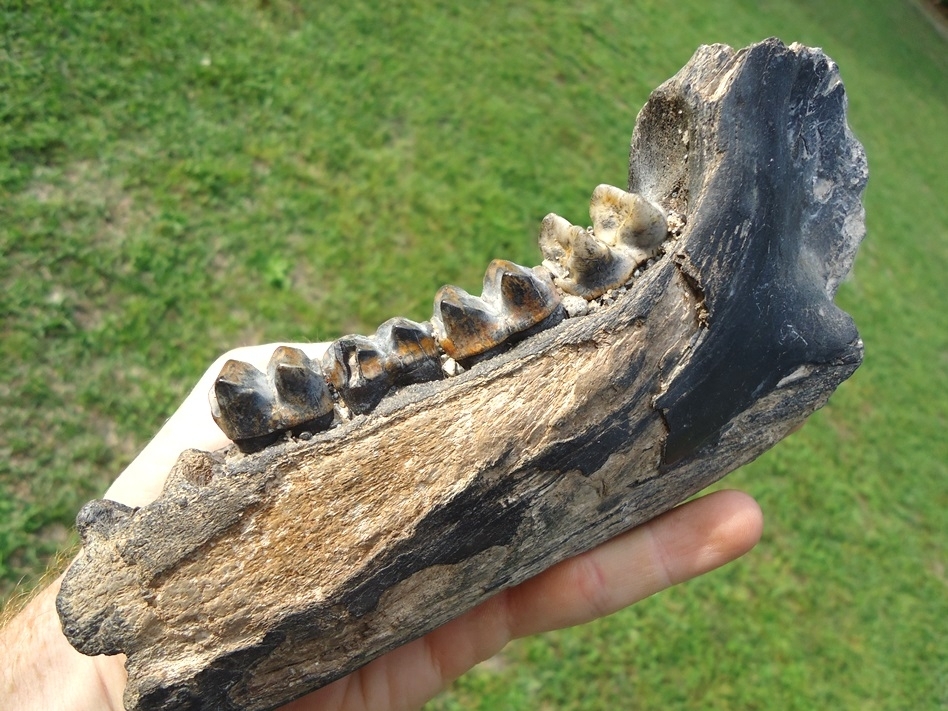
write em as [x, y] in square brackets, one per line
[382, 492]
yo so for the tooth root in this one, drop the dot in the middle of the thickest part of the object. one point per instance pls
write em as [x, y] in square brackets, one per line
[628, 219]
[241, 403]
[411, 350]
[353, 365]
[303, 397]
[466, 326]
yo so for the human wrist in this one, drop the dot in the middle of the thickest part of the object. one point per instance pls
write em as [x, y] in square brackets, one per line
[39, 669]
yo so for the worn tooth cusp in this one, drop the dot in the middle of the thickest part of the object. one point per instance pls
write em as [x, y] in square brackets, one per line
[627, 219]
[627, 230]
[304, 403]
[411, 351]
[465, 325]
[525, 298]
[241, 402]
[515, 302]
[363, 370]
[254, 409]
[353, 365]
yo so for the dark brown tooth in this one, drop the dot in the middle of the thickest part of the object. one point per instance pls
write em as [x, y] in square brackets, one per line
[303, 397]
[465, 325]
[353, 365]
[515, 302]
[411, 351]
[364, 370]
[241, 402]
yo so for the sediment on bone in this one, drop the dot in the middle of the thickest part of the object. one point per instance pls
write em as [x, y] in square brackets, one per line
[363, 370]
[627, 230]
[515, 302]
[255, 409]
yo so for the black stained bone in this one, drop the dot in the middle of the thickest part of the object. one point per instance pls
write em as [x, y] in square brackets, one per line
[797, 120]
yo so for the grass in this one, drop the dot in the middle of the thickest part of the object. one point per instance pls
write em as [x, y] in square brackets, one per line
[181, 178]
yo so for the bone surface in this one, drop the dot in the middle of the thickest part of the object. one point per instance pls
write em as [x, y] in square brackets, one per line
[257, 577]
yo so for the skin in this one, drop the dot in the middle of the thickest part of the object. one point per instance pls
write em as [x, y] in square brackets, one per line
[40, 670]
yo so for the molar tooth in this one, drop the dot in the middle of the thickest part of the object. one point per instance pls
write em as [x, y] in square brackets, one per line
[304, 401]
[593, 266]
[627, 230]
[622, 218]
[353, 364]
[363, 370]
[241, 402]
[411, 351]
[466, 326]
[525, 297]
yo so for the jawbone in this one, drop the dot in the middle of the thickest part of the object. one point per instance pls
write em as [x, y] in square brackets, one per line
[412, 474]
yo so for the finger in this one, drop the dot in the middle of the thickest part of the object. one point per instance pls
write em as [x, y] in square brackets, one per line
[190, 427]
[689, 540]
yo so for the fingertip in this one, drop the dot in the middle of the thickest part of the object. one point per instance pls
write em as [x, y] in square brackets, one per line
[717, 528]
[746, 524]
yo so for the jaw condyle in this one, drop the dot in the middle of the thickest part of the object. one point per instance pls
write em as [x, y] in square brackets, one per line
[409, 475]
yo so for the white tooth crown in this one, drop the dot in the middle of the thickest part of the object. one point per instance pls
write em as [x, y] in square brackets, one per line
[627, 230]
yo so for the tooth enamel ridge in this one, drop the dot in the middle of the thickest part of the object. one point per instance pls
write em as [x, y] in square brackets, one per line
[364, 370]
[627, 230]
[514, 303]
[255, 409]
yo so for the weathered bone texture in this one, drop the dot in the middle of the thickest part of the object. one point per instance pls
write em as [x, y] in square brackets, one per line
[255, 578]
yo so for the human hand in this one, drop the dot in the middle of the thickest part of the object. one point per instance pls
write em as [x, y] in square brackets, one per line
[683, 543]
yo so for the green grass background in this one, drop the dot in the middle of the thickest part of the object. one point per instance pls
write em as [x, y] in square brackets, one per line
[181, 178]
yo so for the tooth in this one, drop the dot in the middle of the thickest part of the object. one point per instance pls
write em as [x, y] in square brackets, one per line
[554, 238]
[304, 400]
[590, 265]
[514, 303]
[241, 402]
[627, 231]
[363, 370]
[353, 365]
[465, 325]
[525, 298]
[627, 219]
[411, 351]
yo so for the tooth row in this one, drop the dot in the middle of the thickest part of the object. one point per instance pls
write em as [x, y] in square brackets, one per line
[298, 396]
[514, 303]
[627, 230]
[254, 409]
